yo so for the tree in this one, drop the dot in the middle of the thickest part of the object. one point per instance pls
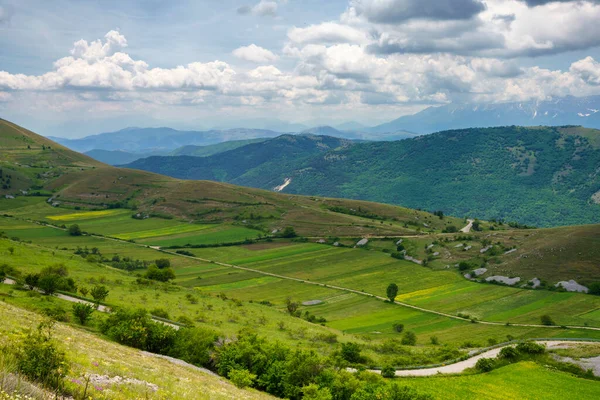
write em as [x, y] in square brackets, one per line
[161, 275]
[485, 364]
[291, 306]
[31, 280]
[84, 291]
[314, 392]
[83, 312]
[547, 320]
[11, 250]
[398, 327]
[392, 291]
[99, 293]
[74, 230]
[289, 232]
[49, 283]
[409, 339]
[162, 263]
[351, 352]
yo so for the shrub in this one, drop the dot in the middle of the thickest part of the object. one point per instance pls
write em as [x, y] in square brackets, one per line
[160, 312]
[40, 359]
[531, 348]
[75, 230]
[464, 266]
[434, 340]
[241, 377]
[485, 364]
[388, 372]
[289, 233]
[99, 293]
[409, 339]
[162, 263]
[83, 312]
[509, 353]
[398, 327]
[194, 345]
[351, 352]
[161, 275]
[547, 320]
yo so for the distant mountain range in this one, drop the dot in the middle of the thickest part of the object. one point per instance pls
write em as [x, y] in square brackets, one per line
[543, 176]
[147, 140]
[562, 111]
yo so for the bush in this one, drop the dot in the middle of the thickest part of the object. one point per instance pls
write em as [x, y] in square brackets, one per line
[464, 266]
[194, 345]
[289, 233]
[83, 312]
[398, 327]
[351, 352]
[434, 340]
[509, 353]
[99, 293]
[485, 364]
[75, 230]
[388, 372]
[162, 263]
[241, 377]
[160, 312]
[161, 275]
[40, 359]
[547, 320]
[531, 348]
[409, 339]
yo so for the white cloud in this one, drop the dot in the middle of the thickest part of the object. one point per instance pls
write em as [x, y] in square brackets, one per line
[254, 53]
[264, 8]
[588, 69]
[327, 32]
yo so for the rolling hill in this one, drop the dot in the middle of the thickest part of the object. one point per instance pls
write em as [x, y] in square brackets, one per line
[542, 176]
[32, 162]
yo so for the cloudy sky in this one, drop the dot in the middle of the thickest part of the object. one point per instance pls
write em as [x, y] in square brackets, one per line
[76, 67]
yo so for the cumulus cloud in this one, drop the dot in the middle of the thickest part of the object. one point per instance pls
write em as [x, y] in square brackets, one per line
[254, 53]
[588, 69]
[265, 8]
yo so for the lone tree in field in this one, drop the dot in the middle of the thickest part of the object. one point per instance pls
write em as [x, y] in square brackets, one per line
[99, 293]
[392, 292]
[74, 230]
[289, 232]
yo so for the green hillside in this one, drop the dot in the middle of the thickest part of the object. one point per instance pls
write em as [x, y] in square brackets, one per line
[209, 150]
[541, 176]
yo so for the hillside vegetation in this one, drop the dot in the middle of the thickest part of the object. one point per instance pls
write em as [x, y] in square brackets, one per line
[541, 176]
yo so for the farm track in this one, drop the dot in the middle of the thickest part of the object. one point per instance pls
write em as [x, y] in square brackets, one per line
[348, 290]
[461, 366]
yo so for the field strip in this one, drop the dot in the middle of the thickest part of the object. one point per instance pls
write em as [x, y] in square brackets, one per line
[337, 287]
[461, 366]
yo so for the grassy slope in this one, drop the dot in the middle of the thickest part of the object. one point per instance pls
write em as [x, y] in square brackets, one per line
[524, 380]
[88, 354]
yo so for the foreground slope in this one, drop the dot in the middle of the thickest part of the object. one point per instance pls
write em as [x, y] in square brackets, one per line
[541, 176]
[154, 377]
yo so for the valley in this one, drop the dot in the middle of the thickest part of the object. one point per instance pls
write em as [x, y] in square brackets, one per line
[299, 272]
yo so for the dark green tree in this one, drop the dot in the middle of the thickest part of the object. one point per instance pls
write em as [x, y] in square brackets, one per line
[74, 230]
[392, 291]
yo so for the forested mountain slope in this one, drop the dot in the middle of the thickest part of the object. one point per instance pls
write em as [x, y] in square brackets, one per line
[543, 176]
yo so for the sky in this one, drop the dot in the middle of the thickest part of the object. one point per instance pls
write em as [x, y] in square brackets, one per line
[77, 67]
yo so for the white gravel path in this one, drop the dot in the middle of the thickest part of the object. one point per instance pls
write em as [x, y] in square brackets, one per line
[467, 228]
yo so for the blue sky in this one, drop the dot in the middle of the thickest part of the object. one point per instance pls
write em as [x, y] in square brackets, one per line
[77, 67]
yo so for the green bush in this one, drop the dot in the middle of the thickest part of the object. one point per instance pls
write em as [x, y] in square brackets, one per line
[398, 327]
[409, 339]
[509, 353]
[485, 364]
[99, 293]
[531, 348]
[83, 312]
[40, 359]
[241, 377]
[388, 372]
[351, 352]
[160, 312]
[547, 320]
[75, 230]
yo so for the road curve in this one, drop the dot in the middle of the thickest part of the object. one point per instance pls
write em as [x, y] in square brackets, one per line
[461, 366]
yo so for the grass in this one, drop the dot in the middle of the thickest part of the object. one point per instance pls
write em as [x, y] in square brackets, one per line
[88, 354]
[524, 380]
